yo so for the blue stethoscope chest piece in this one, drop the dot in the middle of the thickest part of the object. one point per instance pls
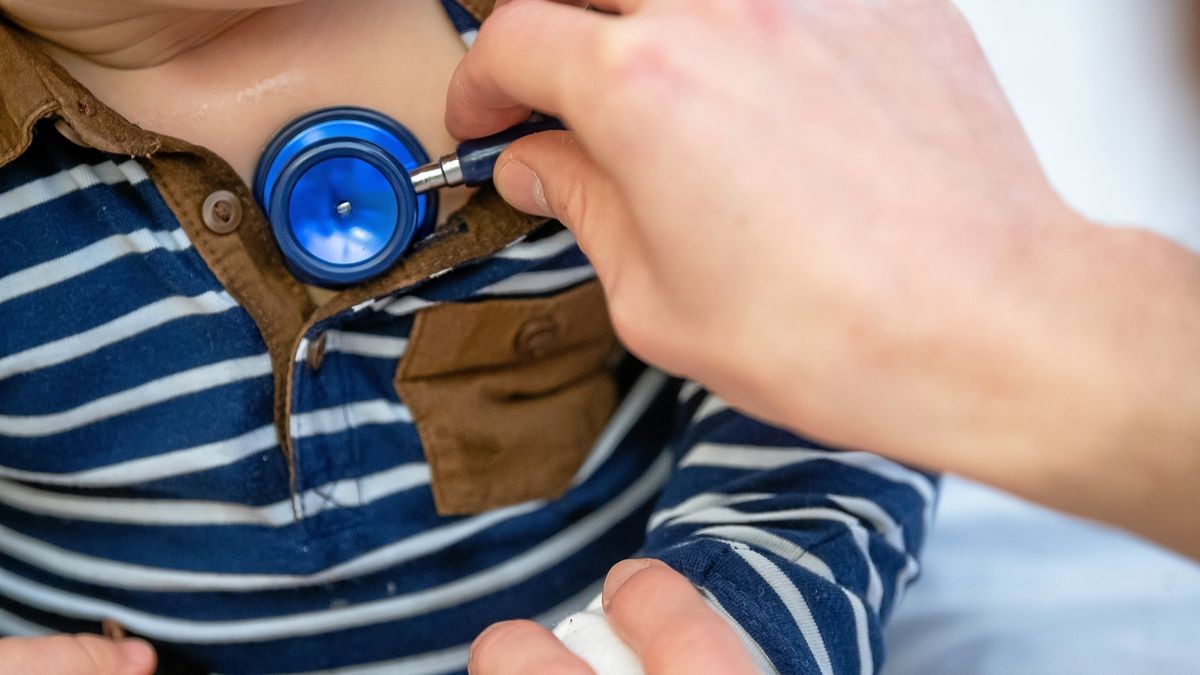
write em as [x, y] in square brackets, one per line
[335, 186]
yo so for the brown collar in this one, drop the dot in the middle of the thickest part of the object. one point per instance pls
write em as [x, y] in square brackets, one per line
[35, 88]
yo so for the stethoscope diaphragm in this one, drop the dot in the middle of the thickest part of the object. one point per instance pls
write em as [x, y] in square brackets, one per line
[335, 187]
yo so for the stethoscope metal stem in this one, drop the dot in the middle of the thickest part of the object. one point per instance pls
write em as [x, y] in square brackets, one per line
[473, 161]
[445, 172]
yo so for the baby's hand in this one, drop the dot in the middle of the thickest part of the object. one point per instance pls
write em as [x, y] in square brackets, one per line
[75, 655]
[653, 609]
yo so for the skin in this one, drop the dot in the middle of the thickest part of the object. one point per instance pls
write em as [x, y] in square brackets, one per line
[918, 289]
[651, 607]
[826, 211]
[76, 655]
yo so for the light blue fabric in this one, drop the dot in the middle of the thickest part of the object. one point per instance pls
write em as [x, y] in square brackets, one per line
[1009, 587]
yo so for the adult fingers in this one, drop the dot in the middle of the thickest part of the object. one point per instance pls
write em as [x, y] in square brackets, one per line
[522, 648]
[661, 616]
[529, 54]
[76, 655]
[551, 174]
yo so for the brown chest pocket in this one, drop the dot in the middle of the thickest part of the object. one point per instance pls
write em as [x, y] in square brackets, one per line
[508, 395]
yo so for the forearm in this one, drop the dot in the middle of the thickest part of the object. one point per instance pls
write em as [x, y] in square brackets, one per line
[1073, 381]
[1136, 461]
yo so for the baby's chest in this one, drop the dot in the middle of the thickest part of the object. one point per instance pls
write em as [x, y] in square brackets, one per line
[126, 367]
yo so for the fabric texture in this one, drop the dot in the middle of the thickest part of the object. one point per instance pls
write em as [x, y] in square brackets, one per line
[508, 396]
[190, 449]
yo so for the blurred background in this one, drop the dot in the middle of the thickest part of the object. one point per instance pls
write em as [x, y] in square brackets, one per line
[1109, 92]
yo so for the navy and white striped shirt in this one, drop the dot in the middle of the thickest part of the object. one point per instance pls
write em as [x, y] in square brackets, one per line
[142, 478]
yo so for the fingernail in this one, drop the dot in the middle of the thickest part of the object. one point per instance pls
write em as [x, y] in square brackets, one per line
[522, 188]
[138, 657]
[620, 573]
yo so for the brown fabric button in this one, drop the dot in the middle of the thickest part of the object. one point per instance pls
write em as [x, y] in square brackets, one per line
[316, 352]
[222, 212]
[536, 336]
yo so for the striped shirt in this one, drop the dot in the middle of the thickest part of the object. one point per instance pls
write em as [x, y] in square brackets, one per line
[144, 476]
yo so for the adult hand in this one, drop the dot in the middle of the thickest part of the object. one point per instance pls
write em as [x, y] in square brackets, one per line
[653, 609]
[75, 655]
[826, 211]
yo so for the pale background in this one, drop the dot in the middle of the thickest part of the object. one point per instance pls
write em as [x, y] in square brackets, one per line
[1107, 91]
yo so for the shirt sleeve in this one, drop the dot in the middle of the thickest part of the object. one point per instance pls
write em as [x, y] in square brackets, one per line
[805, 549]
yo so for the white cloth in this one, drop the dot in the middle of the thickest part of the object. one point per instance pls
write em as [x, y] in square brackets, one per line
[1108, 91]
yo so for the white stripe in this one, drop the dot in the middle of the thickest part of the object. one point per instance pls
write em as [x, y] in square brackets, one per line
[526, 283]
[454, 659]
[874, 582]
[51, 272]
[688, 389]
[165, 465]
[794, 602]
[754, 457]
[468, 37]
[345, 493]
[339, 418]
[12, 625]
[405, 305]
[536, 283]
[104, 572]
[711, 405]
[542, 248]
[702, 501]
[880, 521]
[719, 515]
[65, 182]
[632, 407]
[758, 538]
[365, 344]
[144, 395]
[218, 453]
[761, 661]
[791, 552]
[513, 571]
[138, 321]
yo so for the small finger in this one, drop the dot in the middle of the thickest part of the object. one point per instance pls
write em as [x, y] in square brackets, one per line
[662, 617]
[520, 647]
[76, 655]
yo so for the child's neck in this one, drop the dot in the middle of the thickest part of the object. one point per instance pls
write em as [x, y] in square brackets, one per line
[231, 79]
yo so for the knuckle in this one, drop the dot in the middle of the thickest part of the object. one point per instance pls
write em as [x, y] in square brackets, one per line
[632, 55]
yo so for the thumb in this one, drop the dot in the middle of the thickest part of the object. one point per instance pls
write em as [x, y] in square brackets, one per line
[76, 655]
[550, 174]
